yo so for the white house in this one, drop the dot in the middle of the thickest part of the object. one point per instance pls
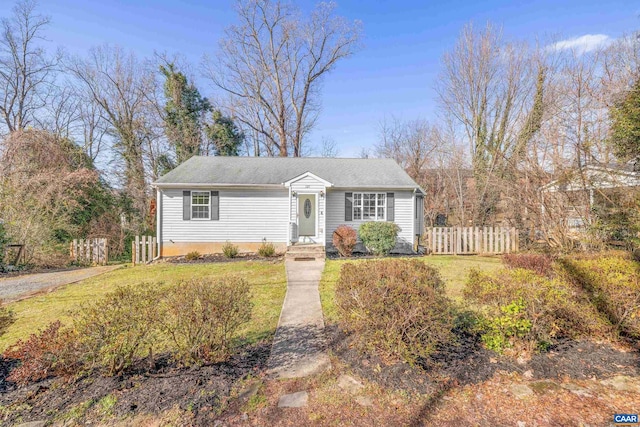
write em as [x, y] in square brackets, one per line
[582, 187]
[207, 201]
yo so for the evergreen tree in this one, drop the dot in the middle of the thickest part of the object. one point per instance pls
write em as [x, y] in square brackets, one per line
[625, 124]
[184, 113]
[224, 135]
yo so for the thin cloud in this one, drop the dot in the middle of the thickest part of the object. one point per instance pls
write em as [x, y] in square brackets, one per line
[582, 44]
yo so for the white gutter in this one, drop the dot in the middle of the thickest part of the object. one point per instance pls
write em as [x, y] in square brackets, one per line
[158, 223]
[213, 185]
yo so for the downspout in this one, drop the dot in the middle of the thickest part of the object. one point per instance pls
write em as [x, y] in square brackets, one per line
[289, 236]
[158, 222]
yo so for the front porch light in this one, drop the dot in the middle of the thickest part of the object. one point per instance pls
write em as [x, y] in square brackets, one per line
[321, 194]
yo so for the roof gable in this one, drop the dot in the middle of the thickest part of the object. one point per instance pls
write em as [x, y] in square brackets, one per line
[307, 175]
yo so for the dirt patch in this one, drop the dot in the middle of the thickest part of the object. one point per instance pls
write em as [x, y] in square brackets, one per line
[366, 255]
[200, 392]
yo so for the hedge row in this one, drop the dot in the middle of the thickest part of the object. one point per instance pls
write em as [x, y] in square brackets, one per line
[197, 319]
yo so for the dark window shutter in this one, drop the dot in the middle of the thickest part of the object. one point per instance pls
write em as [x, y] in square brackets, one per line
[186, 205]
[215, 205]
[391, 207]
[348, 206]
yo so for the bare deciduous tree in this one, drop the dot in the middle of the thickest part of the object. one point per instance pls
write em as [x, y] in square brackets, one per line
[411, 143]
[271, 66]
[329, 147]
[120, 86]
[488, 87]
[26, 71]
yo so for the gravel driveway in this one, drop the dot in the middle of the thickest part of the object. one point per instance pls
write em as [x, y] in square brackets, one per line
[12, 288]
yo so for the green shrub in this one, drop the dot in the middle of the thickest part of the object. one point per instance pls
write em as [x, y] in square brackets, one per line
[266, 249]
[512, 323]
[378, 237]
[526, 311]
[124, 324]
[395, 307]
[192, 256]
[345, 239]
[202, 316]
[230, 250]
[612, 283]
[538, 263]
[51, 352]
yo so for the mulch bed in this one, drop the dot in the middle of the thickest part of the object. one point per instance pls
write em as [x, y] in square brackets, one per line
[366, 255]
[466, 362]
[201, 391]
[217, 258]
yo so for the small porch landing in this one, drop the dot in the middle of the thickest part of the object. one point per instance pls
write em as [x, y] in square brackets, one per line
[305, 252]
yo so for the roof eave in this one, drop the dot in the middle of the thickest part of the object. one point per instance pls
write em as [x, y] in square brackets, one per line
[210, 184]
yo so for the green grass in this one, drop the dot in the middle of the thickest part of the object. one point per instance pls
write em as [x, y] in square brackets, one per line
[268, 284]
[454, 271]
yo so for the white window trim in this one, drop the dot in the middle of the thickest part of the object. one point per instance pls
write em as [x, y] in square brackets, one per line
[353, 206]
[208, 218]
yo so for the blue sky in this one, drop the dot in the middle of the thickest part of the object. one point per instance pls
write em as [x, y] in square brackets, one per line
[393, 74]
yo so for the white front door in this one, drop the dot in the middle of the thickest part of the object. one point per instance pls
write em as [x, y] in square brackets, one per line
[307, 215]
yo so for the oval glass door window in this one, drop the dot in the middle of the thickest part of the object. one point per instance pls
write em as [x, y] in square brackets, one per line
[307, 208]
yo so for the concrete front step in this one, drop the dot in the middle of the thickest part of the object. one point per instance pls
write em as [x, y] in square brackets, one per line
[305, 252]
[306, 248]
[304, 257]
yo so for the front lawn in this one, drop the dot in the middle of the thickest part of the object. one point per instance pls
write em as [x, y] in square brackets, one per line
[454, 271]
[268, 284]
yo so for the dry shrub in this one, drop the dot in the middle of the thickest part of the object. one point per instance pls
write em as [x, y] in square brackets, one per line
[267, 250]
[395, 307]
[230, 250]
[526, 311]
[192, 256]
[538, 263]
[345, 239]
[7, 318]
[613, 285]
[201, 317]
[50, 192]
[120, 327]
[51, 352]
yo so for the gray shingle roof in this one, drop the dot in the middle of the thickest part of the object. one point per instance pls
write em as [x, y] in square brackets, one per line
[277, 170]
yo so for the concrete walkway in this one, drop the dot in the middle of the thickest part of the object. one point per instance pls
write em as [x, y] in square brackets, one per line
[299, 347]
[20, 287]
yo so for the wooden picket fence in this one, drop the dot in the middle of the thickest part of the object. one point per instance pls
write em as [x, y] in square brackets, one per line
[143, 249]
[90, 251]
[471, 240]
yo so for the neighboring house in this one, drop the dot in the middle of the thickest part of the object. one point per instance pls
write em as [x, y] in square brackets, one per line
[587, 188]
[207, 201]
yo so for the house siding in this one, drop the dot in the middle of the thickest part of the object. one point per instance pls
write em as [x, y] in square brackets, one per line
[246, 215]
[404, 211]
[310, 185]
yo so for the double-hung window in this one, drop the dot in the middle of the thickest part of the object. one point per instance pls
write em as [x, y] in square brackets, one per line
[369, 206]
[200, 204]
